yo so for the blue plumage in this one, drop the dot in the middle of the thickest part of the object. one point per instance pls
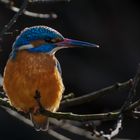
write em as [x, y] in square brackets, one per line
[36, 33]
[42, 48]
[52, 41]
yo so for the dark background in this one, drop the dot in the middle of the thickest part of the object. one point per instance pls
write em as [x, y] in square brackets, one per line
[114, 25]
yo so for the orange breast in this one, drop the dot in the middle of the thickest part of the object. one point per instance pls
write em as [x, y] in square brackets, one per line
[30, 72]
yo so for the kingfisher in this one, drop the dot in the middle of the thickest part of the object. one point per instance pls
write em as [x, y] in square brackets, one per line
[32, 66]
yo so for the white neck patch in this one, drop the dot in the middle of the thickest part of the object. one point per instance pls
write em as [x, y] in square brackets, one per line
[25, 47]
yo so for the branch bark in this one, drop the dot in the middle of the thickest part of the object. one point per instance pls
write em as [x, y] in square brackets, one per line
[83, 99]
[33, 14]
[132, 91]
[97, 94]
[72, 116]
[15, 17]
[67, 115]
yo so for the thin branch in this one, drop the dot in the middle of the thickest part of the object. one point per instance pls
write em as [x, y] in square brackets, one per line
[136, 114]
[97, 94]
[133, 106]
[76, 117]
[14, 32]
[74, 129]
[28, 122]
[72, 116]
[66, 126]
[113, 132]
[68, 115]
[68, 96]
[6, 103]
[132, 91]
[15, 17]
[33, 14]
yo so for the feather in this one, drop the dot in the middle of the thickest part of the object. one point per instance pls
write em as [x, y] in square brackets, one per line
[40, 122]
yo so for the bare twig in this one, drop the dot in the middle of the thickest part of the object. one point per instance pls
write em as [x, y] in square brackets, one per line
[133, 106]
[126, 109]
[15, 17]
[88, 117]
[136, 114]
[70, 127]
[6, 104]
[97, 94]
[69, 116]
[132, 91]
[68, 96]
[26, 12]
[28, 122]
[33, 14]
[113, 133]
[76, 117]
[15, 32]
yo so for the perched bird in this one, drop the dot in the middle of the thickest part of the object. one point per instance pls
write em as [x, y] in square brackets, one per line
[32, 66]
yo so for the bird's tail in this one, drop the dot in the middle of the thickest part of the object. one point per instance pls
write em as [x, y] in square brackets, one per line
[40, 122]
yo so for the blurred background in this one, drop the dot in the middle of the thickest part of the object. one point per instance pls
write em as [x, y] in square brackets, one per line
[112, 24]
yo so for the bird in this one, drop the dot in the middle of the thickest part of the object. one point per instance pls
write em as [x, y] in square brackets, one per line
[32, 67]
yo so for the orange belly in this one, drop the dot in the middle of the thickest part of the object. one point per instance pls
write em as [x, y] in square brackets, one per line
[30, 72]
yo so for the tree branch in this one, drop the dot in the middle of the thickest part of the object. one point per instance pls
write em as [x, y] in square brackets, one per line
[87, 117]
[132, 91]
[15, 17]
[68, 115]
[33, 14]
[77, 117]
[97, 94]
[126, 109]
[68, 96]
[136, 114]
[112, 134]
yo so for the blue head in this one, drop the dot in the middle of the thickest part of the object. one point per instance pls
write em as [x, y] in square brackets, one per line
[51, 41]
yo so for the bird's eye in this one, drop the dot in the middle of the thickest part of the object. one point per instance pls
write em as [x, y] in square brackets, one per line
[54, 40]
[48, 40]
